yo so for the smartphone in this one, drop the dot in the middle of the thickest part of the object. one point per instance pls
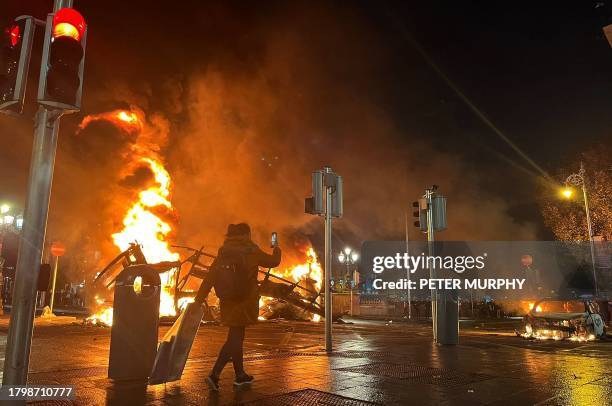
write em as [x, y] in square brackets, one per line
[274, 240]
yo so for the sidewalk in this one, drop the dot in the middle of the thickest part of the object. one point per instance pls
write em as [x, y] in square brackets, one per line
[387, 364]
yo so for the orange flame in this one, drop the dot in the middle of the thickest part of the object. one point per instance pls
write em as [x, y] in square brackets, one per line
[308, 274]
[129, 121]
[141, 222]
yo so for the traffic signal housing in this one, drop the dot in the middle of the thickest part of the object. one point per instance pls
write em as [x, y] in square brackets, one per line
[14, 63]
[63, 60]
[420, 213]
[314, 205]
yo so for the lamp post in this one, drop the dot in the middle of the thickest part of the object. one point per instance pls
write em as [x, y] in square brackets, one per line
[579, 180]
[5, 208]
[349, 257]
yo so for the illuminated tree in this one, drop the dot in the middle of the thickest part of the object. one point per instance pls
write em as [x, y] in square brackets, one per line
[566, 217]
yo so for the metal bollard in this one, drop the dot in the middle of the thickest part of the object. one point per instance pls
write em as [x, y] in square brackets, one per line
[134, 332]
[447, 318]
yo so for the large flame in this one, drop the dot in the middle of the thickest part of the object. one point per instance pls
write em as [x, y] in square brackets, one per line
[142, 223]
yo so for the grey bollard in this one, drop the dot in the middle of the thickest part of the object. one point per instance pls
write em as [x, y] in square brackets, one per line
[447, 317]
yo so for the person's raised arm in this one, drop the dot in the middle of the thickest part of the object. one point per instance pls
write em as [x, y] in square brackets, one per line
[269, 260]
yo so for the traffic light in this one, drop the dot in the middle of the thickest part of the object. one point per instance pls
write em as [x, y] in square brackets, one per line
[421, 214]
[314, 204]
[61, 73]
[16, 50]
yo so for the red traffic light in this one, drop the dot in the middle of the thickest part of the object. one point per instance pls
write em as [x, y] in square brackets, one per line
[68, 22]
[14, 34]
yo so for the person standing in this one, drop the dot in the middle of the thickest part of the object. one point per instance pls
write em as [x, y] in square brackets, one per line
[233, 274]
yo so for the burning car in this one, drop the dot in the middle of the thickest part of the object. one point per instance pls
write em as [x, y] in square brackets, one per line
[576, 320]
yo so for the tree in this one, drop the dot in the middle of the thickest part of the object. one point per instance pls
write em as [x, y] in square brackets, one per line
[566, 217]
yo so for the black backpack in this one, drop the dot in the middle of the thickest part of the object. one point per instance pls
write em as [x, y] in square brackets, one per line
[230, 275]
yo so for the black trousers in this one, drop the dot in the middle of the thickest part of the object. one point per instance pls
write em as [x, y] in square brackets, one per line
[231, 350]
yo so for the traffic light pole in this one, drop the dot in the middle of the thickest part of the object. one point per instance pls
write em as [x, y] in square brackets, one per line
[444, 303]
[31, 245]
[408, 290]
[328, 264]
[430, 251]
[326, 201]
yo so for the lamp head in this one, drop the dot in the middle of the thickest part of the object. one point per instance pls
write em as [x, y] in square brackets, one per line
[567, 192]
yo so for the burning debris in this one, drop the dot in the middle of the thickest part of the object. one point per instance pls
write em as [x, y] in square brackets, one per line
[102, 318]
[304, 283]
[550, 319]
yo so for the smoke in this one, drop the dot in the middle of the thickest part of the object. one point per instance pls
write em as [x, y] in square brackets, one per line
[251, 140]
[243, 128]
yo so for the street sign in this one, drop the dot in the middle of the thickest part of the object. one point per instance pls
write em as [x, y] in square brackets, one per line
[58, 249]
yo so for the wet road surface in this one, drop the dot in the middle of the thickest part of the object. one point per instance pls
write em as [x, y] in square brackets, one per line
[378, 362]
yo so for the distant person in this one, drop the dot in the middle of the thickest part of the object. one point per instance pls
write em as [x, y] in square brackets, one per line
[233, 274]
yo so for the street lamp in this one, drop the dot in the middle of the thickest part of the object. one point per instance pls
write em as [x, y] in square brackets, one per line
[578, 180]
[349, 257]
[567, 192]
[4, 208]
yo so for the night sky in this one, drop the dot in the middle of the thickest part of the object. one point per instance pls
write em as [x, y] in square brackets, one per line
[540, 71]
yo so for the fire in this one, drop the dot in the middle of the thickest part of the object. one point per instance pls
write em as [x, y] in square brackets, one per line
[537, 309]
[311, 269]
[308, 274]
[142, 222]
[103, 317]
[129, 121]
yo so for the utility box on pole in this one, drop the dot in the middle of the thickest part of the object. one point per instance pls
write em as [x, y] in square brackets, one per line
[337, 206]
[439, 212]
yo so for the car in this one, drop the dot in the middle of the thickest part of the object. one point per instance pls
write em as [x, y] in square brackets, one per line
[576, 320]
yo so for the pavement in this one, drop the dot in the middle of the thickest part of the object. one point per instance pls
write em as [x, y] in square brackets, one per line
[373, 362]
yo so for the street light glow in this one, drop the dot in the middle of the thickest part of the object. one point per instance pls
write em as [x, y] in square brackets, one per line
[348, 256]
[4, 208]
[567, 192]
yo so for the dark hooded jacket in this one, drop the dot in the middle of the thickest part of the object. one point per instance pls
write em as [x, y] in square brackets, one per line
[243, 311]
